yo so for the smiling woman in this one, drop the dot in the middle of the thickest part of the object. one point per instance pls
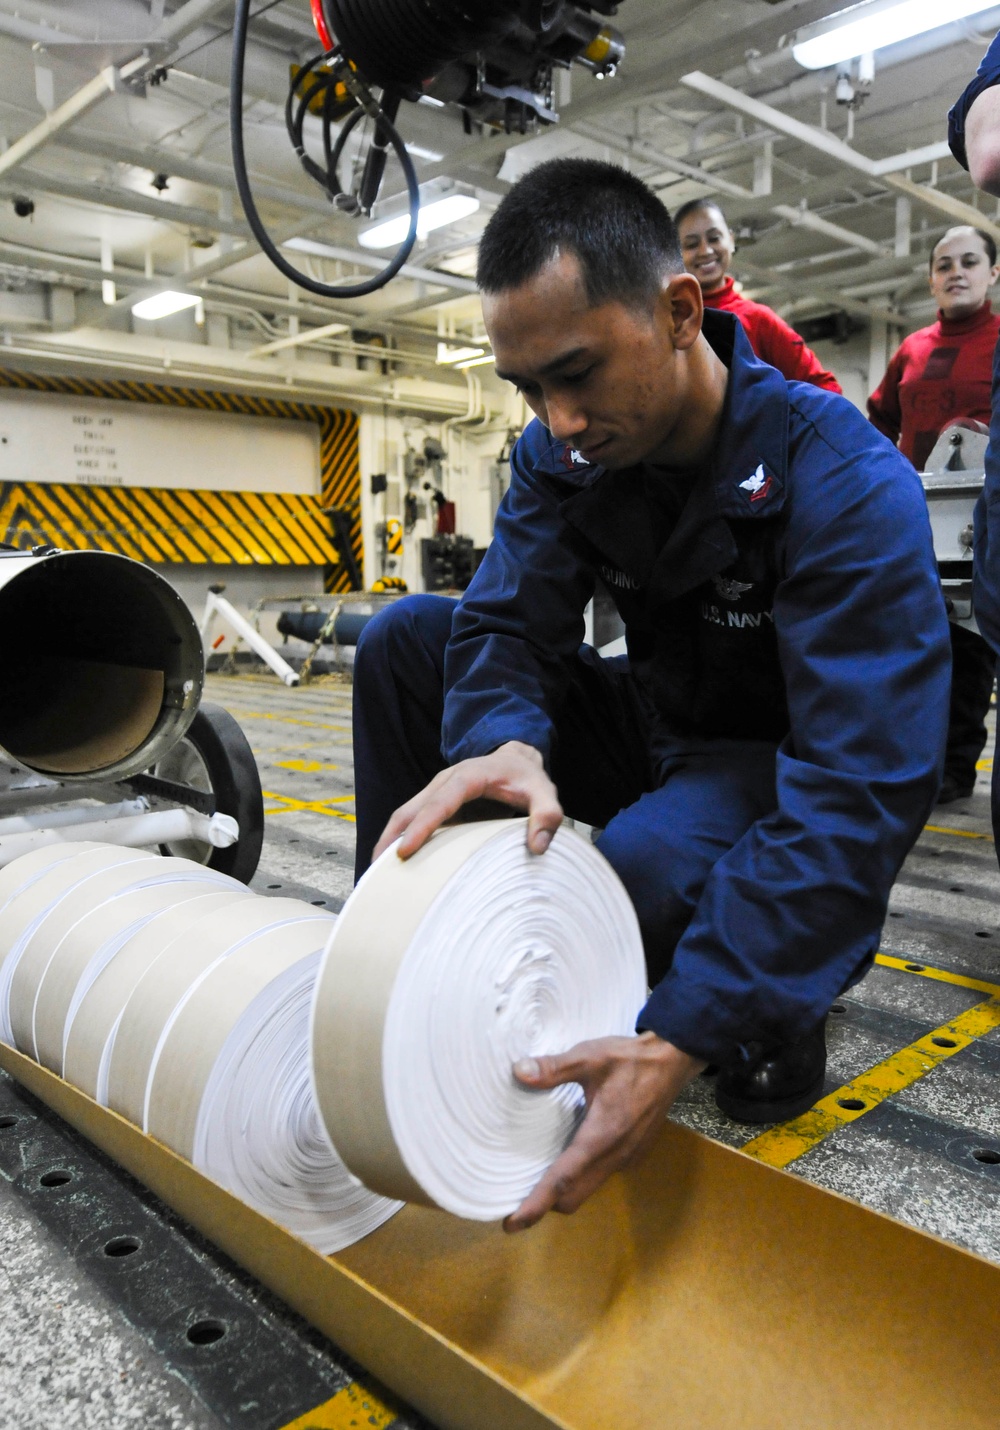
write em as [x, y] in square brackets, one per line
[944, 371]
[940, 374]
[707, 247]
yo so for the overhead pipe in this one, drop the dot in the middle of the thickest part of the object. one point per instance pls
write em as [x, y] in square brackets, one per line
[835, 148]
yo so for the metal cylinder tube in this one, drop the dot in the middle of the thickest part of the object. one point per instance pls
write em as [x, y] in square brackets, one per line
[102, 664]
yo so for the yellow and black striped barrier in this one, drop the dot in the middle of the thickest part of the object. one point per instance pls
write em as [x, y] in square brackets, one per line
[155, 524]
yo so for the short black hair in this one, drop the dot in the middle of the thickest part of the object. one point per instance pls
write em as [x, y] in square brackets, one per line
[619, 230]
[694, 206]
[989, 243]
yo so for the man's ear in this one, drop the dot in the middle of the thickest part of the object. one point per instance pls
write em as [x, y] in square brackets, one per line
[681, 299]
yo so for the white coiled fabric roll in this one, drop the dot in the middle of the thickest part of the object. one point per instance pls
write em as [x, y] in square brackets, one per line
[182, 1000]
[79, 936]
[232, 1092]
[30, 888]
[211, 1056]
[441, 972]
[94, 1023]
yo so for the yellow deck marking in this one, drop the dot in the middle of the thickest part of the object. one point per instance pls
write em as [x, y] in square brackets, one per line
[304, 767]
[784, 1144]
[288, 805]
[285, 719]
[962, 833]
[986, 764]
[349, 1408]
[942, 975]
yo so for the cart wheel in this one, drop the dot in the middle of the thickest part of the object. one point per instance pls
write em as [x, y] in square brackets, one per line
[214, 757]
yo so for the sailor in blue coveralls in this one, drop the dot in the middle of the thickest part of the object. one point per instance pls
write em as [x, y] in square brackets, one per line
[764, 758]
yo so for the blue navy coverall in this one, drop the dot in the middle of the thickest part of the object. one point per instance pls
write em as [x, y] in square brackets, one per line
[986, 518]
[765, 757]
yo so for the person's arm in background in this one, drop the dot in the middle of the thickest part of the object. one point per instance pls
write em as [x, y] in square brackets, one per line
[982, 141]
[884, 411]
[974, 124]
[782, 347]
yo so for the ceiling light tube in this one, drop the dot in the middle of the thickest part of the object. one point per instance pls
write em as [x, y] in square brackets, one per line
[391, 231]
[447, 353]
[162, 305]
[866, 28]
[475, 362]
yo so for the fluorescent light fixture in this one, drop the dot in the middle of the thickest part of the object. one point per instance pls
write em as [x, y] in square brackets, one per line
[476, 361]
[161, 305]
[446, 353]
[421, 153]
[866, 28]
[391, 232]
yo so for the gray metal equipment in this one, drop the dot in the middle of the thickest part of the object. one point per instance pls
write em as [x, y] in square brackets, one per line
[102, 731]
[952, 481]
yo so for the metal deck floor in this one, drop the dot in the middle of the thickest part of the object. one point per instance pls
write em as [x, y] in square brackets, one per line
[79, 1343]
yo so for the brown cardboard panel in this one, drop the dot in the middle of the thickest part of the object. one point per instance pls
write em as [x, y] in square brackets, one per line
[700, 1289]
[412, 1359]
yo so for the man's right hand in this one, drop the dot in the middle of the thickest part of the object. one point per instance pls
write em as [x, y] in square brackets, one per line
[514, 774]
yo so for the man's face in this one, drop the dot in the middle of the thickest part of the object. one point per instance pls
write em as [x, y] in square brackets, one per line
[961, 274]
[707, 246]
[602, 379]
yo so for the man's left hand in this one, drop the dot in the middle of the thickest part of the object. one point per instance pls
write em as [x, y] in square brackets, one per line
[630, 1085]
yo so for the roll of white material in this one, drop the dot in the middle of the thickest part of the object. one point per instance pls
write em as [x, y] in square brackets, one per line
[171, 979]
[92, 1028]
[441, 972]
[81, 933]
[231, 1090]
[99, 935]
[29, 889]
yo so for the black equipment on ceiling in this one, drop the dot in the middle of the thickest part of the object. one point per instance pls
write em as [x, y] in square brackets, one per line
[495, 59]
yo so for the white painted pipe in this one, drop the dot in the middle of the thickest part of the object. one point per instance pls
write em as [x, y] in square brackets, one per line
[218, 605]
[139, 831]
[76, 814]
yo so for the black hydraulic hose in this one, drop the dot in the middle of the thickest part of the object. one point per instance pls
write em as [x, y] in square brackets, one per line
[294, 125]
[323, 290]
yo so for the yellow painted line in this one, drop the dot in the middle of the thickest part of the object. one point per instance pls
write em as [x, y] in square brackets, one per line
[942, 975]
[986, 764]
[962, 833]
[288, 805]
[349, 1408]
[785, 1144]
[304, 767]
[285, 719]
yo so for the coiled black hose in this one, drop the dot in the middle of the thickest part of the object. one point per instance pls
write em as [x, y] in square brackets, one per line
[308, 85]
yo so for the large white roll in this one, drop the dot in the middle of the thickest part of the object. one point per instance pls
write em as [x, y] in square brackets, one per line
[94, 1022]
[211, 1056]
[441, 972]
[31, 886]
[231, 1090]
[81, 934]
[177, 997]
[171, 979]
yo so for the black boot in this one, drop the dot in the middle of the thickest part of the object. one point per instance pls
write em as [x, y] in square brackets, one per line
[778, 1085]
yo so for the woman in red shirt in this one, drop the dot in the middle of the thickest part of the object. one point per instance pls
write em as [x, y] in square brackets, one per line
[944, 371]
[707, 246]
[940, 373]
